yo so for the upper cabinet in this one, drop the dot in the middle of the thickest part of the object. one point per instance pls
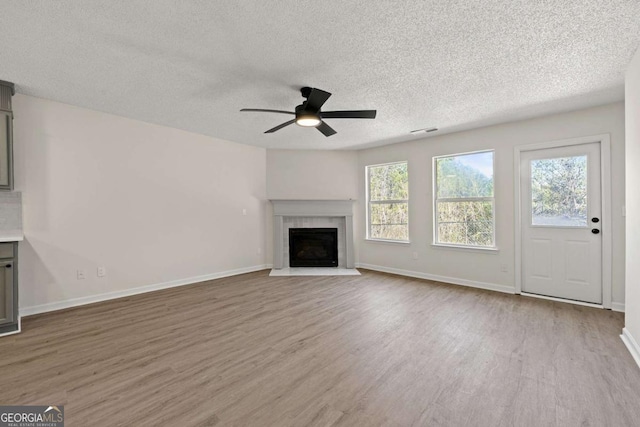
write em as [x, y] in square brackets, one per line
[6, 136]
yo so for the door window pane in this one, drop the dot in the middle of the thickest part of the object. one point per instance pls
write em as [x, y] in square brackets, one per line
[559, 192]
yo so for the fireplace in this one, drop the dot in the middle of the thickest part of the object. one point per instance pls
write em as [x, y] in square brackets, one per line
[313, 247]
[336, 214]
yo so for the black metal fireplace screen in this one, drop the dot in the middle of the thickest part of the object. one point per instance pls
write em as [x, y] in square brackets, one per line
[313, 247]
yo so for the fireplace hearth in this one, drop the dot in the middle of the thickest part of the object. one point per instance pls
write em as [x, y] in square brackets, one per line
[313, 247]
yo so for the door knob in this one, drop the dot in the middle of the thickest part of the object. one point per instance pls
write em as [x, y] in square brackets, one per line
[595, 231]
[7, 266]
[596, 220]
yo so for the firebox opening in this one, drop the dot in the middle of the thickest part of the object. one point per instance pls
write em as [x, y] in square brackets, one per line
[313, 247]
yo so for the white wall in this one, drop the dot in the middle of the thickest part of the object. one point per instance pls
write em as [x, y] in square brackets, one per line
[151, 204]
[632, 108]
[312, 174]
[476, 266]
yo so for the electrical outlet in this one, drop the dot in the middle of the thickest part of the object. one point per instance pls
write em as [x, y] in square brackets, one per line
[504, 268]
[81, 275]
[415, 255]
[259, 251]
[244, 212]
[101, 271]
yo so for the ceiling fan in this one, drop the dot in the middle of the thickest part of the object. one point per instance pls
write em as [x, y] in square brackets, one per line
[309, 113]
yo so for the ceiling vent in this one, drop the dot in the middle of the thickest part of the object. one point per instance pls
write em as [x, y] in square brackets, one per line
[426, 130]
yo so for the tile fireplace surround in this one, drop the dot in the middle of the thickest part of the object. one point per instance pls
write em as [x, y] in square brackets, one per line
[312, 213]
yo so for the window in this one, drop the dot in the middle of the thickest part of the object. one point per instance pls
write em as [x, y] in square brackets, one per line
[559, 192]
[464, 204]
[388, 202]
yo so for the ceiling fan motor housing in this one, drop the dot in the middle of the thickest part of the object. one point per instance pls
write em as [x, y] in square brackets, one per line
[305, 91]
[303, 116]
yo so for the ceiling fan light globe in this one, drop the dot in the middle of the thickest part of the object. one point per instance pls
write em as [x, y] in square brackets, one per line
[308, 121]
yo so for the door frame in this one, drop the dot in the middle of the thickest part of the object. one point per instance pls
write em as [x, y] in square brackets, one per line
[605, 182]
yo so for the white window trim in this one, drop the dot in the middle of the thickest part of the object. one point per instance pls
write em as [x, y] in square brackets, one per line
[370, 202]
[393, 242]
[488, 249]
[434, 171]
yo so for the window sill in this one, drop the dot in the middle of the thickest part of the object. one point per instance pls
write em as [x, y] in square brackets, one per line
[397, 242]
[489, 250]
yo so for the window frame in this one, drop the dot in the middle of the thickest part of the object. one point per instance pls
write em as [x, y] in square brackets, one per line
[384, 202]
[437, 200]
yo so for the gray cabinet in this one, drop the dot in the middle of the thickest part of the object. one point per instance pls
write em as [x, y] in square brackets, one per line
[6, 136]
[6, 162]
[9, 319]
[8, 287]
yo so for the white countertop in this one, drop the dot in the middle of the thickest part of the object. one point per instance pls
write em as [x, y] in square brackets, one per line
[11, 236]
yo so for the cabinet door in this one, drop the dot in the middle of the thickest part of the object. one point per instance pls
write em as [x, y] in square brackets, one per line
[6, 157]
[6, 292]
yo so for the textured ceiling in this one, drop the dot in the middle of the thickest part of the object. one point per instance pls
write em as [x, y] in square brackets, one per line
[193, 64]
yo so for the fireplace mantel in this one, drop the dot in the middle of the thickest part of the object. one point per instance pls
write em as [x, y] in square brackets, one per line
[311, 208]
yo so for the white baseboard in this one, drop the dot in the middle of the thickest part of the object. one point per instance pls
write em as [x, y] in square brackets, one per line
[617, 306]
[451, 280]
[60, 305]
[631, 344]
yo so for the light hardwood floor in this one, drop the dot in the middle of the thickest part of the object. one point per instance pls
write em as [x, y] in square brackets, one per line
[367, 350]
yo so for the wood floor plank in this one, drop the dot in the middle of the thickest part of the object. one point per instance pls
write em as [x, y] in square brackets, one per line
[370, 350]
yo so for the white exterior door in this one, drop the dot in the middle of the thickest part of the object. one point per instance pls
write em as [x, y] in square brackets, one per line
[561, 222]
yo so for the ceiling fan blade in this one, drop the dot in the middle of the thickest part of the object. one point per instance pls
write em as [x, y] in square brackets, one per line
[316, 99]
[355, 114]
[326, 129]
[285, 124]
[267, 111]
